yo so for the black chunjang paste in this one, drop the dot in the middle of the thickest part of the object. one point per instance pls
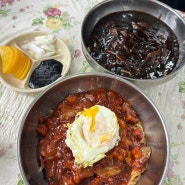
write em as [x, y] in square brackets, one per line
[47, 72]
[134, 44]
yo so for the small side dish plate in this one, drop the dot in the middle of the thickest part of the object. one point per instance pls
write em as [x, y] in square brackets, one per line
[62, 54]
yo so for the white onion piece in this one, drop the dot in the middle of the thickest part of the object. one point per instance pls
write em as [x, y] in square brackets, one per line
[48, 47]
[41, 46]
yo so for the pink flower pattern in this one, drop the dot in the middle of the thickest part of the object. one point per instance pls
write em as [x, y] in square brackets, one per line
[14, 17]
[77, 53]
[52, 12]
[183, 104]
[21, 10]
[2, 152]
[5, 2]
[170, 173]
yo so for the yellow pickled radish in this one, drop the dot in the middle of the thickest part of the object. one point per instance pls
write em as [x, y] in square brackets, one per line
[17, 59]
[21, 66]
[9, 59]
[14, 62]
[6, 55]
[23, 73]
[20, 70]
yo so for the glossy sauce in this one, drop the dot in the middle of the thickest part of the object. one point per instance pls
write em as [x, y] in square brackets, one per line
[114, 169]
[135, 45]
[47, 72]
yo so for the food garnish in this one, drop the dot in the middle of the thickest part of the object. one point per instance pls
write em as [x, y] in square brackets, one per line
[41, 46]
[45, 73]
[14, 62]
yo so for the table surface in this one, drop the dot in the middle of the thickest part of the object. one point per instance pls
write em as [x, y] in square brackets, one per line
[64, 18]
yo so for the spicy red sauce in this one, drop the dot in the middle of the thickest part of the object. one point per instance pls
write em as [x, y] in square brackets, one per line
[116, 167]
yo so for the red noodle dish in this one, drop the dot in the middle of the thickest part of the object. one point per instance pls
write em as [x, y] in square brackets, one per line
[93, 138]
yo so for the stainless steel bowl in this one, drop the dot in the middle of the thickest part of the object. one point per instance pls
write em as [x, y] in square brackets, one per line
[153, 124]
[155, 8]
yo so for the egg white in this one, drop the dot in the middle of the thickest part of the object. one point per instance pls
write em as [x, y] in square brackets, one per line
[93, 133]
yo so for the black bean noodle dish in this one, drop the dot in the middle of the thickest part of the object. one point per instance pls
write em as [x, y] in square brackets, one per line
[135, 45]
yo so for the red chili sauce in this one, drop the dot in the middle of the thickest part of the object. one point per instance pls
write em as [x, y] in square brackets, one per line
[135, 45]
[114, 169]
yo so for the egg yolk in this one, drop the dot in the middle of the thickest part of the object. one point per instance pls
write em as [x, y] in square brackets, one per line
[91, 112]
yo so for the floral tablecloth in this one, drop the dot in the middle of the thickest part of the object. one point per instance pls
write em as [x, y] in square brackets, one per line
[64, 18]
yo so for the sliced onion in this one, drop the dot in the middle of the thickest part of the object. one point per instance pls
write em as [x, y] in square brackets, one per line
[41, 46]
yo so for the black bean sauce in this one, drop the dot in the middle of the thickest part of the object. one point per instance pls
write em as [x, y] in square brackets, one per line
[47, 72]
[135, 45]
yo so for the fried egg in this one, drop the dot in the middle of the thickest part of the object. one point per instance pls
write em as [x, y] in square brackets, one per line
[94, 132]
